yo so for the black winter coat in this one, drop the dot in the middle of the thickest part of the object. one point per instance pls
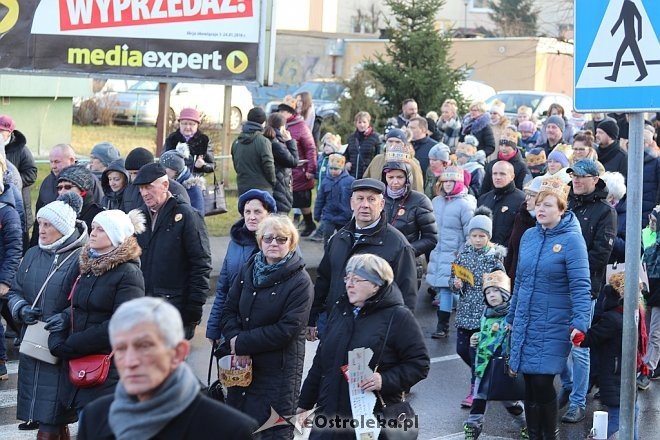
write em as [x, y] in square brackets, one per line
[598, 223]
[176, 258]
[650, 186]
[133, 200]
[11, 238]
[104, 284]
[481, 129]
[404, 359]
[520, 171]
[20, 155]
[39, 384]
[112, 199]
[613, 158]
[505, 203]
[413, 216]
[285, 155]
[88, 212]
[521, 222]
[360, 150]
[605, 337]
[383, 240]
[269, 320]
[422, 148]
[199, 145]
[203, 419]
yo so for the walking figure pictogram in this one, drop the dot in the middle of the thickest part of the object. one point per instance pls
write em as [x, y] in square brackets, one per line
[629, 13]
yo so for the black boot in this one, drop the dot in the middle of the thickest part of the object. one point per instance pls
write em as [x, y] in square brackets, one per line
[442, 329]
[550, 428]
[533, 418]
[309, 225]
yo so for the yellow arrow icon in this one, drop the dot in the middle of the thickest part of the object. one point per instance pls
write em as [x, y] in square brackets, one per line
[237, 61]
[11, 17]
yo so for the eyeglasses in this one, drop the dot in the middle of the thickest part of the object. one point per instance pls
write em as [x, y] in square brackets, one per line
[575, 176]
[64, 187]
[187, 123]
[354, 280]
[579, 149]
[268, 239]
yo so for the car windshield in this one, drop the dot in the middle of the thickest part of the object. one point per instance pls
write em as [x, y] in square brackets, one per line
[144, 86]
[512, 101]
[322, 91]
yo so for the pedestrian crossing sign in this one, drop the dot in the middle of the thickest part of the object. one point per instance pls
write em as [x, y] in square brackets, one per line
[617, 55]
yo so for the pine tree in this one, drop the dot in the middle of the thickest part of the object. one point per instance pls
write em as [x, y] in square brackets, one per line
[514, 18]
[417, 62]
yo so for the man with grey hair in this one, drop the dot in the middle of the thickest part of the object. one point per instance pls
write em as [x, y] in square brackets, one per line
[158, 395]
[176, 256]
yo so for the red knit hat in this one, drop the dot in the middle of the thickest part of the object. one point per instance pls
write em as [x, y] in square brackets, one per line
[7, 123]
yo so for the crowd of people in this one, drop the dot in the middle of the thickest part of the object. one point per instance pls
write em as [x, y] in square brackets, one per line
[510, 226]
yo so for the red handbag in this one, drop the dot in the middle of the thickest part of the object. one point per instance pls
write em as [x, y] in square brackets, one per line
[89, 371]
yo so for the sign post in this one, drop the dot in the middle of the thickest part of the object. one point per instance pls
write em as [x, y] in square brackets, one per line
[617, 69]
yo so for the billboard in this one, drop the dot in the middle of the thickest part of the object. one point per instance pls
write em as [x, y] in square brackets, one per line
[196, 40]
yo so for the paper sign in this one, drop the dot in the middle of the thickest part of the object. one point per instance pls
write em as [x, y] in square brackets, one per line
[463, 273]
[362, 403]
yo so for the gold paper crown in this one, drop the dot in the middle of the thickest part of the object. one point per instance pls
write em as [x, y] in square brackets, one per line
[497, 279]
[452, 173]
[536, 159]
[509, 139]
[566, 149]
[397, 153]
[290, 101]
[467, 149]
[336, 160]
[555, 186]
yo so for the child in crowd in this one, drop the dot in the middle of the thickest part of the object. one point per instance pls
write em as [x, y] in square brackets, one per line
[490, 341]
[175, 166]
[479, 256]
[473, 161]
[652, 299]
[558, 162]
[605, 337]
[363, 144]
[333, 200]
[536, 161]
[330, 144]
[113, 182]
[529, 136]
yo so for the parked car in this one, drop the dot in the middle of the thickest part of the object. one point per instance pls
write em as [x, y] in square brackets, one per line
[475, 90]
[139, 103]
[539, 102]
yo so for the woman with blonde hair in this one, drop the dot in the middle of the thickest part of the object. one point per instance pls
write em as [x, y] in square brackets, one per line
[477, 123]
[498, 122]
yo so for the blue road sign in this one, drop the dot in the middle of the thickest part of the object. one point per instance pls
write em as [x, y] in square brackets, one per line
[617, 55]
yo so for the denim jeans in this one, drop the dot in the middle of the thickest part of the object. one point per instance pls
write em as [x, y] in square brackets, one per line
[575, 376]
[3, 348]
[613, 420]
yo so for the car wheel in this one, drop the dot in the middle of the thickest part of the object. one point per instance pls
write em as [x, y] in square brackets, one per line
[235, 119]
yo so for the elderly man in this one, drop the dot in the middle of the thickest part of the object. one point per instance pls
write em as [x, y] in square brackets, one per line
[176, 257]
[367, 233]
[504, 200]
[158, 395]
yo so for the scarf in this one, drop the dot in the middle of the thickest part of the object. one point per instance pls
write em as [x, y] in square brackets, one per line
[262, 270]
[366, 133]
[131, 419]
[497, 311]
[397, 194]
[507, 157]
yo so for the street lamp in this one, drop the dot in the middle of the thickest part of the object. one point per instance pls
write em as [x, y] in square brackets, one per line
[465, 2]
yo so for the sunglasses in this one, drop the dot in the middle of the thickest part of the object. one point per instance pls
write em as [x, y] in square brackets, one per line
[268, 239]
[64, 187]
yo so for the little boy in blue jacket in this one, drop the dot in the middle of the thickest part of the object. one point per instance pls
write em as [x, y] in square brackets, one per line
[333, 200]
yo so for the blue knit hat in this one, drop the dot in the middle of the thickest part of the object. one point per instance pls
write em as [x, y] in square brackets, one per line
[265, 198]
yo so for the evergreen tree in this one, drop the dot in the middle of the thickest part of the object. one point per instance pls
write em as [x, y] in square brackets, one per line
[514, 18]
[417, 62]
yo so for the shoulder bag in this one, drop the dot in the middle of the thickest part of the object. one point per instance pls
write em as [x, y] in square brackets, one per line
[214, 390]
[35, 339]
[214, 198]
[400, 414]
[501, 385]
[91, 370]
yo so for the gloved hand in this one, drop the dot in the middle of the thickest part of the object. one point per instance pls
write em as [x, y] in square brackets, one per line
[30, 315]
[577, 337]
[189, 330]
[57, 322]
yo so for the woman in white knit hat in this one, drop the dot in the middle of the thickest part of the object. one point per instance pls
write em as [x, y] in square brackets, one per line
[52, 264]
[109, 275]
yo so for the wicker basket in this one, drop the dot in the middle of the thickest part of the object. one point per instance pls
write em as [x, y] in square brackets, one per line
[232, 376]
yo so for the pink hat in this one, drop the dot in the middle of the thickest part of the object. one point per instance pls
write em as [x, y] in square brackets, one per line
[7, 123]
[190, 114]
[526, 126]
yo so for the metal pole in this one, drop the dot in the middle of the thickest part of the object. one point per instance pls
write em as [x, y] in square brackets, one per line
[226, 132]
[631, 294]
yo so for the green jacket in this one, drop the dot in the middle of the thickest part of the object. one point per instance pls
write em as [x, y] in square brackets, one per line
[252, 155]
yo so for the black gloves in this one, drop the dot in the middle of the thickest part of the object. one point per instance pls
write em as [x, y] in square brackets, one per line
[189, 330]
[30, 315]
[57, 322]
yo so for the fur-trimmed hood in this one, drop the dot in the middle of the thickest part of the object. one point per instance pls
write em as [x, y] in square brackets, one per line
[194, 181]
[129, 250]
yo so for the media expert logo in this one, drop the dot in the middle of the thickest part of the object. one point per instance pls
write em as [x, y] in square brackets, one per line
[120, 56]
[277, 420]
[11, 16]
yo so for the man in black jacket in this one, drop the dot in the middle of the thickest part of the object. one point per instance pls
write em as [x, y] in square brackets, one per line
[367, 232]
[176, 256]
[421, 141]
[504, 200]
[597, 218]
[610, 153]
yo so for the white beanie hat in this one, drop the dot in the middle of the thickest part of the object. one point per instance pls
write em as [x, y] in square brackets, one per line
[497, 107]
[119, 225]
[62, 213]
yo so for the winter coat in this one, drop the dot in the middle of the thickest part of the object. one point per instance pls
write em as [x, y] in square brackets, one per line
[88, 212]
[112, 199]
[475, 166]
[521, 222]
[605, 338]
[505, 203]
[133, 199]
[412, 215]
[618, 254]
[383, 240]
[471, 298]
[361, 149]
[526, 144]
[195, 186]
[39, 384]
[203, 419]
[520, 172]
[451, 131]
[268, 319]
[285, 155]
[306, 151]
[548, 148]
[104, 284]
[481, 129]
[242, 246]
[321, 169]
[492, 339]
[613, 158]
[551, 295]
[429, 183]
[404, 358]
[176, 258]
[452, 215]
[375, 171]
[19, 154]
[650, 186]
[252, 155]
[333, 200]
[199, 145]
[422, 148]
[11, 238]
[598, 223]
